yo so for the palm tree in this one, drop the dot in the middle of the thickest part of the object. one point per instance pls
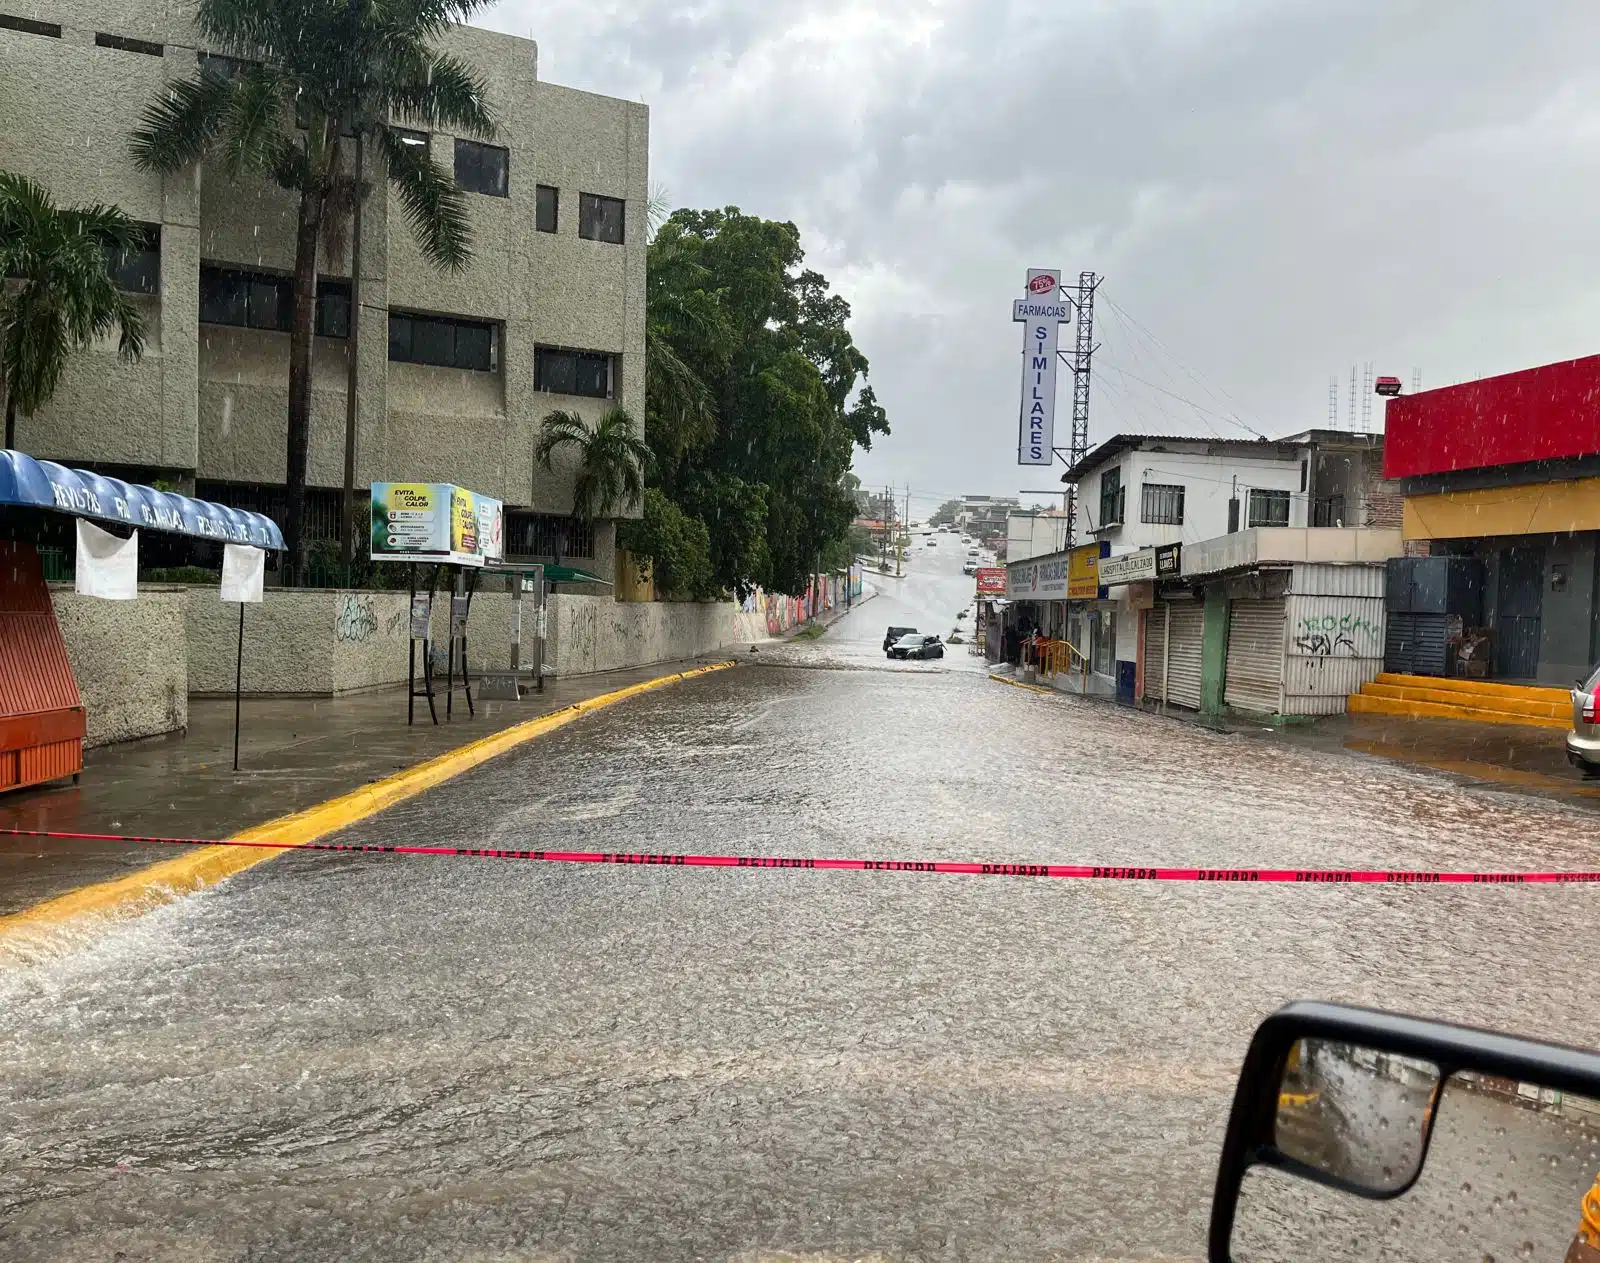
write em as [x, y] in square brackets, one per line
[56, 292]
[297, 87]
[611, 462]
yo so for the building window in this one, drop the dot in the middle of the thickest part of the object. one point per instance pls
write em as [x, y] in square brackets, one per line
[261, 300]
[29, 26]
[443, 342]
[1161, 504]
[138, 271]
[1111, 498]
[127, 45]
[572, 373]
[1327, 511]
[601, 218]
[224, 67]
[546, 535]
[411, 139]
[1269, 508]
[549, 203]
[482, 168]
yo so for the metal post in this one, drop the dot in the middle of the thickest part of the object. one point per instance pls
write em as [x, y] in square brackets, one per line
[411, 651]
[238, 684]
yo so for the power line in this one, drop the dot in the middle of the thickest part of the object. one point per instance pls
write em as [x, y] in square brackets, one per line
[1216, 392]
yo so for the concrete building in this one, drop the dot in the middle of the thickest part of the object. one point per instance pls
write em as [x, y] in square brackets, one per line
[1034, 533]
[1144, 494]
[1506, 471]
[458, 370]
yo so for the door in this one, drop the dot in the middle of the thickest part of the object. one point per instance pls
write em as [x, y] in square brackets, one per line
[1155, 649]
[1518, 613]
[1183, 669]
[1254, 680]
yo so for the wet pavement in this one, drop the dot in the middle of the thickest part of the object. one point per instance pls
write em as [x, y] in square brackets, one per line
[364, 1057]
[293, 752]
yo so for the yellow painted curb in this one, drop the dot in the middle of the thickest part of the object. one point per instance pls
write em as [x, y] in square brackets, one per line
[204, 866]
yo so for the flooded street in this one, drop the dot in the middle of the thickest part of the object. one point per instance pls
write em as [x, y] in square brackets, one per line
[372, 1057]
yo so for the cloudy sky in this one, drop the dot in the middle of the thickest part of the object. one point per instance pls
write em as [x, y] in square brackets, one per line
[1274, 191]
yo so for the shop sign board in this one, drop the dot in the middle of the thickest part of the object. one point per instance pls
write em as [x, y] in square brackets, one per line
[991, 581]
[1041, 313]
[1041, 579]
[1128, 568]
[1083, 572]
[1169, 561]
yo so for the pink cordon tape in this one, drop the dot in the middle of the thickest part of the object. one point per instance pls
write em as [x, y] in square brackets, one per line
[1312, 876]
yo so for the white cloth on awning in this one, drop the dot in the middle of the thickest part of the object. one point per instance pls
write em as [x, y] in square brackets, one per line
[244, 569]
[108, 566]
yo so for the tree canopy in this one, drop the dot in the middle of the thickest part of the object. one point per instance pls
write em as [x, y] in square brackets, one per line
[61, 295]
[946, 514]
[755, 402]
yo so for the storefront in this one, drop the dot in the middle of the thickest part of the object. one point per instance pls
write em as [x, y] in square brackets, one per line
[1274, 622]
[1505, 471]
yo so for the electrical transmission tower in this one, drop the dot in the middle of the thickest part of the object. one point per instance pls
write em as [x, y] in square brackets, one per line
[1333, 403]
[1416, 380]
[1082, 356]
[1352, 396]
[1366, 396]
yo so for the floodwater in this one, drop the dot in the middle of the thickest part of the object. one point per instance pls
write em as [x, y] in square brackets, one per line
[370, 1057]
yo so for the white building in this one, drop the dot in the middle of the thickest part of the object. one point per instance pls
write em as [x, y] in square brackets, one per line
[1140, 492]
[1034, 533]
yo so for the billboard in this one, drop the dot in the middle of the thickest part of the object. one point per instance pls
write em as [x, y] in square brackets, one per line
[436, 521]
[1041, 313]
[1083, 573]
[991, 581]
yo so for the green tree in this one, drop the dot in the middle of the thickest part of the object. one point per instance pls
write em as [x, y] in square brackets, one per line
[609, 466]
[679, 546]
[945, 514]
[56, 290]
[761, 455]
[300, 84]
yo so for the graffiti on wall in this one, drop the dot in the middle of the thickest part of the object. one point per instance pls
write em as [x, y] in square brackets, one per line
[1329, 635]
[357, 620]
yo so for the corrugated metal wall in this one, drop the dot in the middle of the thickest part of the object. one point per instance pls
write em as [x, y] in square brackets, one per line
[1335, 637]
[1254, 679]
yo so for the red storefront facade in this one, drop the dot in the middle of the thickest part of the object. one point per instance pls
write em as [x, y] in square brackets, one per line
[1506, 470]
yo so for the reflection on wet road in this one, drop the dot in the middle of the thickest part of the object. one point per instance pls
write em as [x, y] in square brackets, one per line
[363, 1057]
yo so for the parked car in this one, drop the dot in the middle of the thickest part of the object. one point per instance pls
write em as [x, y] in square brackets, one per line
[1583, 742]
[916, 646]
[894, 634]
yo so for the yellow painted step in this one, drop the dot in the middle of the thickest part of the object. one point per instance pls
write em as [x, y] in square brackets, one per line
[1483, 688]
[1367, 704]
[1561, 709]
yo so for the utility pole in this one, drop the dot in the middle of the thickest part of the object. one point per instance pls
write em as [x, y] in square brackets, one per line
[1082, 355]
[899, 549]
[883, 546]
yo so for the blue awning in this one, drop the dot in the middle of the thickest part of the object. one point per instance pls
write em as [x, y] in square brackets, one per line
[42, 484]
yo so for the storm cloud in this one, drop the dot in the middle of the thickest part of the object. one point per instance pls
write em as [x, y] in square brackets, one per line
[1273, 191]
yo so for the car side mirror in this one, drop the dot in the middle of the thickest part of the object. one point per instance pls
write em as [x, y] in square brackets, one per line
[1357, 1134]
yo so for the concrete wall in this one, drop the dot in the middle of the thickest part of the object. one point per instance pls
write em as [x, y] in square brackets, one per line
[129, 660]
[589, 633]
[322, 643]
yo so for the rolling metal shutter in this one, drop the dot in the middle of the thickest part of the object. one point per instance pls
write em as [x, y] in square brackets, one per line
[1255, 655]
[1154, 650]
[1183, 671]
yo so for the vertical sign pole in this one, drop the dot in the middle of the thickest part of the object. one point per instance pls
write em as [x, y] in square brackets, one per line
[238, 682]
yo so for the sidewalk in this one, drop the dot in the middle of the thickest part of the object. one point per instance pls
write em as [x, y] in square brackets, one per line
[293, 753]
[1501, 756]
